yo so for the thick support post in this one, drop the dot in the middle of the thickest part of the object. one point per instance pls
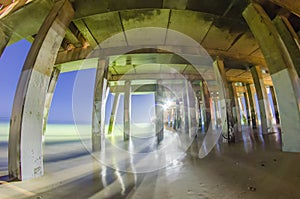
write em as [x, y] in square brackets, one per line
[206, 107]
[98, 120]
[177, 116]
[283, 72]
[251, 103]
[214, 108]
[49, 96]
[192, 121]
[127, 110]
[291, 41]
[235, 115]
[227, 98]
[202, 107]
[159, 112]
[274, 99]
[113, 115]
[25, 137]
[185, 99]
[248, 106]
[237, 108]
[263, 100]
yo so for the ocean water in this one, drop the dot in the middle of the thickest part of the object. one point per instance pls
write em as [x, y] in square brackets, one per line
[68, 131]
[54, 132]
[65, 141]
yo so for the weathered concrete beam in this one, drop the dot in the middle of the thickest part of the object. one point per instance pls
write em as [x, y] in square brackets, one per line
[185, 114]
[251, 103]
[86, 33]
[275, 104]
[226, 99]
[191, 110]
[283, 74]
[235, 109]
[25, 21]
[74, 36]
[127, 110]
[99, 102]
[11, 6]
[290, 38]
[49, 96]
[206, 107]
[159, 111]
[90, 52]
[155, 76]
[134, 88]
[25, 159]
[291, 5]
[263, 100]
[247, 103]
[248, 81]
[113, 115]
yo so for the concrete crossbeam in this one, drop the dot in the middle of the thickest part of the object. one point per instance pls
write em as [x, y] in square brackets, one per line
[89, 53]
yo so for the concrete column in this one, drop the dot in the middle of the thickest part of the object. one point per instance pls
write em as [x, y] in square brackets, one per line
[177, 115]
[113, 115]
[198, 108]
[291, 41]
[127, 110]
[263, 100]
[99, 103]
[225, 96]
[283, 70]
[252, 107]
[25, 138]
[214, 107]
[49, 96]
[191, 99]
[202, 105]
[206, 106]
[274, 99]
[235, 115]
[159, 111]
[185, 99]
[237, 108]
[248, 105]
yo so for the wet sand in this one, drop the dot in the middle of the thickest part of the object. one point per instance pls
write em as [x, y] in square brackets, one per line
[254, 167]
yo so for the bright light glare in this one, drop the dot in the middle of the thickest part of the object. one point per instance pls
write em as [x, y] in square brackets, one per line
[167, 104]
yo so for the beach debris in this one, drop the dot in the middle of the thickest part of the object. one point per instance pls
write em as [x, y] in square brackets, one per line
[251, 188]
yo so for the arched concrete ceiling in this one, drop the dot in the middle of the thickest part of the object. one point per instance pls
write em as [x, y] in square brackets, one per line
[217, 25]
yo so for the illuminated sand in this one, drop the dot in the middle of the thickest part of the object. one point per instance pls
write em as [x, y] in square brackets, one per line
[251, 168]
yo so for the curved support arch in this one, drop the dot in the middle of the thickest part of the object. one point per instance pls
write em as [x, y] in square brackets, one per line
[26, 128]
[282, 67]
